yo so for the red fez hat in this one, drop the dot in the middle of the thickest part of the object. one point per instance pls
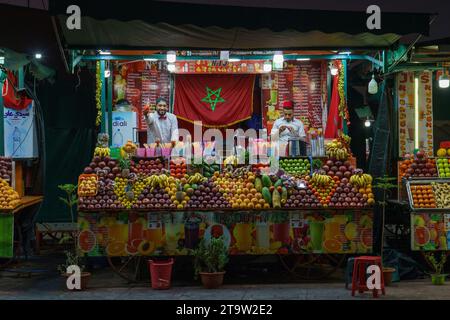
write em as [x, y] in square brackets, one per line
[288, 105]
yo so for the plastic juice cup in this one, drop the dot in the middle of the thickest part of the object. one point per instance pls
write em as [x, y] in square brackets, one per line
[118, 232]
[263, 235]
[154, 235]
[242, 232]
[191, 236]
[173, 234]
[281, 232]
[274, 96]
[332, 230]
[136, 231]
[316, 231]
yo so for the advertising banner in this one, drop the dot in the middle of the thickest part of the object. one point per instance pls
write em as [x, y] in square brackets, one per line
[244, 233]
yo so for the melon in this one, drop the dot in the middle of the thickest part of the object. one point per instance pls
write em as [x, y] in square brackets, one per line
[86, 241]
[366, 238]
[421, 236]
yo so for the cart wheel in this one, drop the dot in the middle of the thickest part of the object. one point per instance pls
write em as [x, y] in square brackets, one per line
[312, 266]
[126, 267]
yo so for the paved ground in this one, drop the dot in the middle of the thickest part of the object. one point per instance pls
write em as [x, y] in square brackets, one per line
[265, 284]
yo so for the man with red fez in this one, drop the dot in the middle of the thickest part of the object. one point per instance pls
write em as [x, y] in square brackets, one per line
[288, 127]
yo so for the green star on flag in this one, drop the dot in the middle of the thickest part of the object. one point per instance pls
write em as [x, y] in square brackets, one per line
[213, 97]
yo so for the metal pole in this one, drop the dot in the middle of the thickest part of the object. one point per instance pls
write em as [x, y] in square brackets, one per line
[103, 96]
[344, 65]
[110, 103]
[2, 125]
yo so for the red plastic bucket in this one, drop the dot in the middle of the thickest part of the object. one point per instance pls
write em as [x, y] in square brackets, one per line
[160, 273]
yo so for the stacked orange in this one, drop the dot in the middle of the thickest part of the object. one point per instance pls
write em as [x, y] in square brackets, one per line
[423, 196]
[9, 198]
[240, 192]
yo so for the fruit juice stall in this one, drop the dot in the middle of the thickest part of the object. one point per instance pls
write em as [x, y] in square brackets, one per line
[424, 169]
[134, 201]
[15, 149]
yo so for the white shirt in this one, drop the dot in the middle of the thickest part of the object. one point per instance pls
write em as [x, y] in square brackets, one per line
[166, 130]
[298, 130]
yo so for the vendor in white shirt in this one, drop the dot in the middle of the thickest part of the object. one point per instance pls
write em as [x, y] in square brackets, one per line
[162, 126]
[288, 127]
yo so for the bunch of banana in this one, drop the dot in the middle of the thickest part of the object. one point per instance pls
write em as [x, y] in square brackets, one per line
[336, 151]
[361, 180]
[102, 152]
[231, 160]
[321, 179]
[154, 181]
[196, 178]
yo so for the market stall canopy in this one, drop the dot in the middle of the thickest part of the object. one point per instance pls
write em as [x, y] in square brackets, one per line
[15, 61]
[166, 25]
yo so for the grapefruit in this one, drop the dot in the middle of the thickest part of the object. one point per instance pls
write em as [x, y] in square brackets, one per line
[86, 241]
[332, 246]
[421, 236]
[131, 250]
[116, 248]
[366, 238]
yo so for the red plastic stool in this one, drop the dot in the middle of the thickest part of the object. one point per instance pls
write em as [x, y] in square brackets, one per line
[359, 274]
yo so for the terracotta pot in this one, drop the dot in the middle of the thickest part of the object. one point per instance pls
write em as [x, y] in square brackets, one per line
[387, 274]
[85, 277]
[212, 280]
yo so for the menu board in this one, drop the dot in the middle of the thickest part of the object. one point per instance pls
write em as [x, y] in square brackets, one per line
[140, 83]
[407, 115]
[302, 82]
[219, 67]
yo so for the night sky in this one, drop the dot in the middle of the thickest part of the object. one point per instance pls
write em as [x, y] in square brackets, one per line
[439, 29]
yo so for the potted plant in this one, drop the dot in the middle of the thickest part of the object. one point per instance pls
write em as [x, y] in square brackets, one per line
[72, 257]
[385, 185]
[209, 262]
[437, 278]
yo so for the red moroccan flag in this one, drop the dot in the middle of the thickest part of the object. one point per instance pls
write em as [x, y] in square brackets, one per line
[216, 100]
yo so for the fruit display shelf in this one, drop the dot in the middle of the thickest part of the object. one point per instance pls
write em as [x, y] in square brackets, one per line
[411, 183]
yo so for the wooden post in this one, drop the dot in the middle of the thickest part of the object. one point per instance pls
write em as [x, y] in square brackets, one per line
[20, 188]
[110, 103]
[103, 96]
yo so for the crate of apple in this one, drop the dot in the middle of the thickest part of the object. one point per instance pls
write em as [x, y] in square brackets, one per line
[443, 165]
[347, 195]
[103, 167]
[420, 167]
[338, 169]
[207, 196]
[148, 166]
[296, 166]
[303, 198]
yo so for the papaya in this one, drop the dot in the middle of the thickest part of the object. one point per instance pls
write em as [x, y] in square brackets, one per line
[276, 199]
[258, 184]
[266, 195]
[279, 183]
[266, 181]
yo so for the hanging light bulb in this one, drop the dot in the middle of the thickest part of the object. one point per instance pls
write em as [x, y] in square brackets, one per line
[107, 73]
[373, 86]
[367, 123]
[278, 57]
[171, 67]
[38, 55]
[333, 70]
[267, 67]
[444, 82]
[171, 56]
